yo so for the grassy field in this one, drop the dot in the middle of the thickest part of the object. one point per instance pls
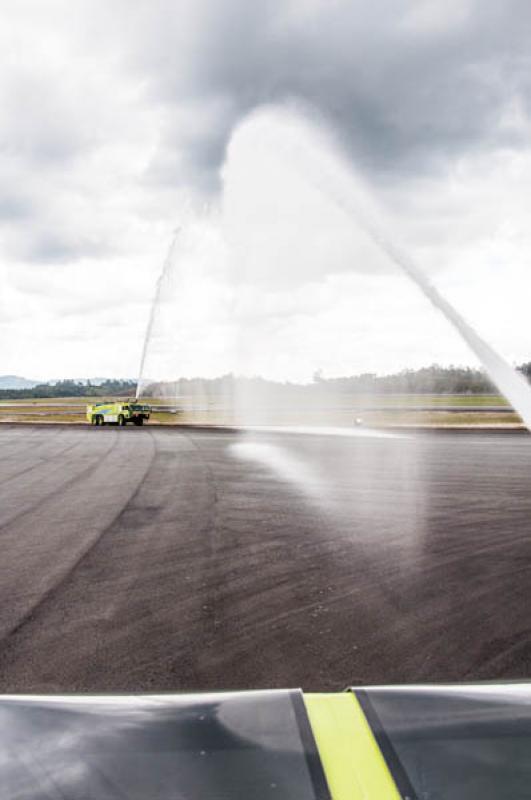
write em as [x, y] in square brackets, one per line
[379, 411]
[66, 409]
[434, 400]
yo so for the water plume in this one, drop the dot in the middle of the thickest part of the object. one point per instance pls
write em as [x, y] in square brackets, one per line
[510, 382]
[236, 299]
[287, 466]
[155, 305]
[312, 151]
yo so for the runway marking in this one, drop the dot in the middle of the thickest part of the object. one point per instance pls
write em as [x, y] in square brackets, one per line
[324, 430]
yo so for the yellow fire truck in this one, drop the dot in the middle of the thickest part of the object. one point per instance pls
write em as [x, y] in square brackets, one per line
[118, 413]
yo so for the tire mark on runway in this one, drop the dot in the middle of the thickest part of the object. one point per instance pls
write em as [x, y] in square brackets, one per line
[502, 651]
[39, 548]
[17, 447]
[213, 618]
[55, 491]
[126, 605]
[42, 463]
[48, 595]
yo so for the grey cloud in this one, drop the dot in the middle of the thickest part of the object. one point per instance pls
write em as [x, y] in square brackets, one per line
[14, 206]
[45, 118]
[404, 97]
[55, 247]
[193, 157]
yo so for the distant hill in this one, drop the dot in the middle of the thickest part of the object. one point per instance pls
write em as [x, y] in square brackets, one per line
[70, 388]
[84, 381]
[16, 382]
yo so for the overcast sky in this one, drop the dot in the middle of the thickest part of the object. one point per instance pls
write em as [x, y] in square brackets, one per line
[115, 121]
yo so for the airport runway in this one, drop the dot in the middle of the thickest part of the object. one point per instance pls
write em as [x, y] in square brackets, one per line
[165, 559]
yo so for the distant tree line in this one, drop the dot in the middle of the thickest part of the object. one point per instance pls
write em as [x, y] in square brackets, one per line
[427, 380]
[69, 388]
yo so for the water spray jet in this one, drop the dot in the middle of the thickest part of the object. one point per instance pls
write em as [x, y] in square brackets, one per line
[303, 147]
[313, 152]
[155, 303]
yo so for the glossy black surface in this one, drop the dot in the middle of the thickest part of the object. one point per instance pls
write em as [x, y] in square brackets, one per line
[196, 747]
[463, 743]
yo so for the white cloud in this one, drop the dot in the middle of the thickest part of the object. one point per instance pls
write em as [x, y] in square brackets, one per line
[114, 118]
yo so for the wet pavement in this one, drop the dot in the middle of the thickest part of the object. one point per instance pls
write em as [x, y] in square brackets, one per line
[165, 559]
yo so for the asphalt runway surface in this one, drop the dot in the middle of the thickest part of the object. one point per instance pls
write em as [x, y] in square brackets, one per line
[158, 559]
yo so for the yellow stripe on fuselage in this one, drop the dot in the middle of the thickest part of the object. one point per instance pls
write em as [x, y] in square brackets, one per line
[353, 763]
